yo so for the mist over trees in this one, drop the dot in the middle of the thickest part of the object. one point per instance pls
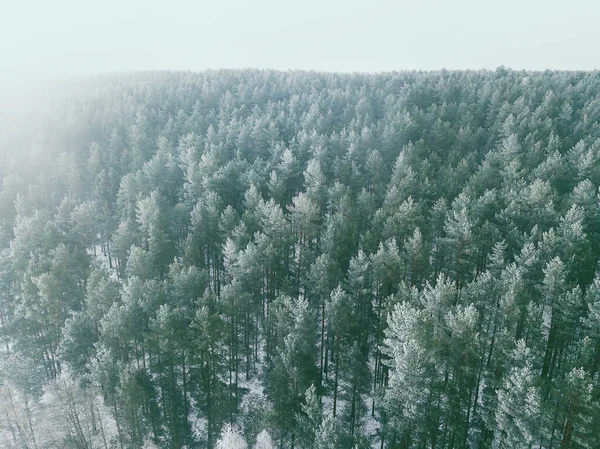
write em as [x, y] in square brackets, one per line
[262, 259]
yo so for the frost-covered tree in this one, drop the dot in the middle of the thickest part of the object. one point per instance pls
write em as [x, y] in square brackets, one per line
[518, 412]
[264, 441]
[231, 438]
[195, 249]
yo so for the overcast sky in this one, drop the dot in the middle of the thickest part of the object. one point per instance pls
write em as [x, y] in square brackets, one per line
[80, 36]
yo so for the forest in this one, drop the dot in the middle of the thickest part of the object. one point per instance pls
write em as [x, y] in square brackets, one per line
[239, 259]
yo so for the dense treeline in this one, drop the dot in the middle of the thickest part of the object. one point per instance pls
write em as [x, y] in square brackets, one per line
[307, 260]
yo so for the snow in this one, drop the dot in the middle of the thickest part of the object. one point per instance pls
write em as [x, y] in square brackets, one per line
[253, 385]
[198, 424]
[102, 258]
[370, 423]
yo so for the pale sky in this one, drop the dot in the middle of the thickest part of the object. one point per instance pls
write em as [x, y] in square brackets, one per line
[41, 37]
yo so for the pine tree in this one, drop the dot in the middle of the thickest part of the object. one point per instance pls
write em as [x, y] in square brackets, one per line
[264, 441]
[231, 438]
[310, 418]
[519, 403]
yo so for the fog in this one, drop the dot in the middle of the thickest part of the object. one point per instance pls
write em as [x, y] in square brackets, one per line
[39, 39]
[46, 47]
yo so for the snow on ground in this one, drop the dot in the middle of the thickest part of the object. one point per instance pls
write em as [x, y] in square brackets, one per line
[371, 425]
[253, 385]
[327, 403]
[102, 258]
